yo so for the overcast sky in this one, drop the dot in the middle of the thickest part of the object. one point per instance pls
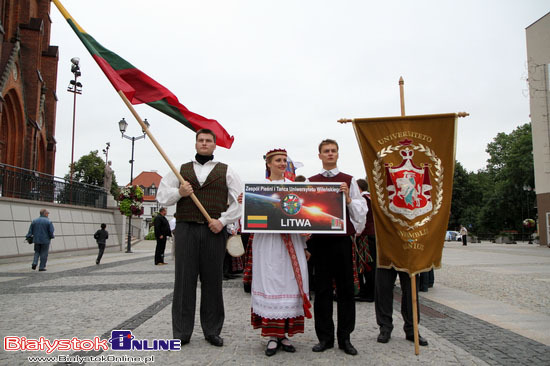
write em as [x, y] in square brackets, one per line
[281, 73]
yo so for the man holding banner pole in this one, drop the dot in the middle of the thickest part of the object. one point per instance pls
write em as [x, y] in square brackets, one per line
[409, 161]
[200, 245]
[333, 258]
[383, 304]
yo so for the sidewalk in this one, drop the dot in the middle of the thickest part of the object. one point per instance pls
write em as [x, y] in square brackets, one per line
[490, 306]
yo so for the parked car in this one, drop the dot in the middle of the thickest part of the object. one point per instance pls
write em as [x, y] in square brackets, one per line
[453, 236]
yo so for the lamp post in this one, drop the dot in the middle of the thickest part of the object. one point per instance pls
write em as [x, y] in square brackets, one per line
[106, 151]
[74, 87]
[122, 125]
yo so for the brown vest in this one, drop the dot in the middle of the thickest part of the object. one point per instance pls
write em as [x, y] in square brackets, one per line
[212, 194]
[340, 177]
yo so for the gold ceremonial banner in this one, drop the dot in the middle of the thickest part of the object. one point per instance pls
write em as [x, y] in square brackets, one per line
[410, 166]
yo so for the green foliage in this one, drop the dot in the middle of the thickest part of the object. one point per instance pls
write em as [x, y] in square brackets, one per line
[89, 169]
[493, 199]
[151, 234]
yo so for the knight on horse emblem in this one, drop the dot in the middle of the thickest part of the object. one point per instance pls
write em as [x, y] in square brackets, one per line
[409, 187]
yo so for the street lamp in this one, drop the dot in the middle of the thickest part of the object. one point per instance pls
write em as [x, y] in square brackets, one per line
[106, 151]
[74, 87]
[122, 125]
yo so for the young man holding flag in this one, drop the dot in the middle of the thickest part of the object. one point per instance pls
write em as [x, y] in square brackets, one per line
[200, 245]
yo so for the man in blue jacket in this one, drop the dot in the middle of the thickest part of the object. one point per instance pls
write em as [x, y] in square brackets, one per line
[41, 230]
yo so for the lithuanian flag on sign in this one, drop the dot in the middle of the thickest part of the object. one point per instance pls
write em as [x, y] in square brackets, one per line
[140, 88]
[257, 222]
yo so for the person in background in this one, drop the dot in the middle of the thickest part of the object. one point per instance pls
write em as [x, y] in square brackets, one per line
[172, 223]
[41, 230]
[464, 235]
[101, 237]
[162, 232]
[366, 250]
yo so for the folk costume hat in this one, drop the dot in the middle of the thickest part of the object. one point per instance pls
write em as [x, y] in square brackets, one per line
[269, 154]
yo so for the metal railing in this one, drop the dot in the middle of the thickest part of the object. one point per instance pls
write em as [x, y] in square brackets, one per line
[27, 184]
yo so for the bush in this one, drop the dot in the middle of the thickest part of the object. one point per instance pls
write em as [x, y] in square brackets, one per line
[151, 234]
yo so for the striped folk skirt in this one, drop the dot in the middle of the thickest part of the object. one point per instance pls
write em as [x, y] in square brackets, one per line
[278, 327]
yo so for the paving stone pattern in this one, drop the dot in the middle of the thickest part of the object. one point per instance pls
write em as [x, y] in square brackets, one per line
[134, 294]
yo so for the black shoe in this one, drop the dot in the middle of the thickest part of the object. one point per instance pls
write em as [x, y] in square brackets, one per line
[384, 336]
[185, 340]
[214, 340]
[97, 262]
[229, 276]
[33, 266]
[347, 347]
[421, 340]
[286, 347]
[360, 299]
[42, 269]
[423, 290]
[322, 346]
[271, 351]
[247, 287]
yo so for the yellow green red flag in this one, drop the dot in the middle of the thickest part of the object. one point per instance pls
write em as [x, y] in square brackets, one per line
[140, 88]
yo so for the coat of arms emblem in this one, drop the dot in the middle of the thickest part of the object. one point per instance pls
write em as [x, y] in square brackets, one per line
[407, 192]
[409, 187]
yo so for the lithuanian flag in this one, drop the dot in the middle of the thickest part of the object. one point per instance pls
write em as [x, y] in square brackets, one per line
[140, 88]
[257, 222]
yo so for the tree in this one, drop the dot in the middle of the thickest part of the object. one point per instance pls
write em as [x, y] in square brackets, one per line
[510, 168]
[494, 199]
[89, 169]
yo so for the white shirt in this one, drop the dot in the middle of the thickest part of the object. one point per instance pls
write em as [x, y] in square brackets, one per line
[168, 191]
[357, 208]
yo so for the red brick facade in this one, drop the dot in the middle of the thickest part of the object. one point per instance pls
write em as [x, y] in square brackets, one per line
[28, 75]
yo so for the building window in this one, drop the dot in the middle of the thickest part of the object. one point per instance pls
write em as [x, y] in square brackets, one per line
[152, 210]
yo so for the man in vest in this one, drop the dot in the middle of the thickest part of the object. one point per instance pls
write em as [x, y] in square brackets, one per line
[334, 258]
[200, 245]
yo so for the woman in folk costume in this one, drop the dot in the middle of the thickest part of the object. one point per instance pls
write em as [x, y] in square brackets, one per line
[279, 276]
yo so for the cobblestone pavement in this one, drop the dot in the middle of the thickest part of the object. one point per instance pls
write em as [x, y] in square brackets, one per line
[489, 306]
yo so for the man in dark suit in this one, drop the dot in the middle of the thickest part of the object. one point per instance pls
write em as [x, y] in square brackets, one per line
[162, 232]
[333, 255]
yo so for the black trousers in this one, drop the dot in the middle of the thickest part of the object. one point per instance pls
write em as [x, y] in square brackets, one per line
[426, 280]
[101, 250]
[159, 250]
[385, 280]
[199, 253]
[333, 262]
[367, 279]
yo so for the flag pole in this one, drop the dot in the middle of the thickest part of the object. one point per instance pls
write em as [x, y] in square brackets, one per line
[161, 151]
[412, 277]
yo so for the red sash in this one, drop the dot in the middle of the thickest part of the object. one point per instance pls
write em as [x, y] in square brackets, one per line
[297, 273]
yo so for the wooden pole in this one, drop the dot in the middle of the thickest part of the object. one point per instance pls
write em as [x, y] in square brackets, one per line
[402, 95]
[412, 277]
[161, 151]
[415, 314]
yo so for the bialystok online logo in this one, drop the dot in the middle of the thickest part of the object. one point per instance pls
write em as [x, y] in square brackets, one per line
[121, 340]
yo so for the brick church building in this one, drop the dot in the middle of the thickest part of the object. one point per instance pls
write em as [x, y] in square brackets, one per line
[28, 74]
